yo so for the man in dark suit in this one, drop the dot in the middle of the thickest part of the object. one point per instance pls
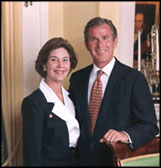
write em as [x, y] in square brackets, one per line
[126, 113]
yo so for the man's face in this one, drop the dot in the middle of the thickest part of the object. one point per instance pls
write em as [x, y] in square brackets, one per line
[139, 21]
[101, 44]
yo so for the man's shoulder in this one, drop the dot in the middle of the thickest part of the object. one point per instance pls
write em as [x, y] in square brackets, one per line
[83, 70]
[126, 70]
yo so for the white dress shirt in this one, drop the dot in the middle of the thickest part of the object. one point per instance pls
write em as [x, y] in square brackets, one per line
[65, 111]
[104, 77]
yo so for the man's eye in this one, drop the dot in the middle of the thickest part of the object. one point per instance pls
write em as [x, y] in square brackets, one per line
[93, 39]
[105, 38]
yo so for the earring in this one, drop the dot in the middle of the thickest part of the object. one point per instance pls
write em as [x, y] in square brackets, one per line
[44, 68]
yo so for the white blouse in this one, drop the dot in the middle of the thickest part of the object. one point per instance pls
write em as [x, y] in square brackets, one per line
[65, 112]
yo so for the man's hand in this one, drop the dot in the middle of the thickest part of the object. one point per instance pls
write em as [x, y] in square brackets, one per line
[113, 136]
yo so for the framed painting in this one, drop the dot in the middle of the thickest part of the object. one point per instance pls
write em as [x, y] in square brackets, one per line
[146, 42]
[151, 11]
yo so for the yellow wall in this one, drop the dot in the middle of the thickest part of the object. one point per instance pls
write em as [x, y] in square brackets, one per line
[109, 10]
[72, 30]
[76, 15]
[68, 19]
[55, 19]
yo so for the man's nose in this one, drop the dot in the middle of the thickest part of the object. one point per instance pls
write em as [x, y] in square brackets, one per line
[100, 43]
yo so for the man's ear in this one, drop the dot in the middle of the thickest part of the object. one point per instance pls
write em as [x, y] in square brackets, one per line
[115, 42]
[86, 44]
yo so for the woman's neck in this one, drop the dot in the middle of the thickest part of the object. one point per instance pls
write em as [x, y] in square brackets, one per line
[57, 88]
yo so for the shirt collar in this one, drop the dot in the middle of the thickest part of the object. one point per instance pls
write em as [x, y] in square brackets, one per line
[107, 69]
[49, 93]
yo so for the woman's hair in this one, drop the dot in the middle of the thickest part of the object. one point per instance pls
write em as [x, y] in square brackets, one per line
[96, 22]
[50, 45]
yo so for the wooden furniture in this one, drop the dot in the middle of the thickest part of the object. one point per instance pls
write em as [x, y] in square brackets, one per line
[122, 151]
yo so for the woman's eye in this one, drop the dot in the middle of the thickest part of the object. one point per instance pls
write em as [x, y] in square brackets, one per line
[66, 60]
[53, 59]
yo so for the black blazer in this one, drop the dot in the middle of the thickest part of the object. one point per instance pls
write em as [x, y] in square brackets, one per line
[45, 135]
[126, 106]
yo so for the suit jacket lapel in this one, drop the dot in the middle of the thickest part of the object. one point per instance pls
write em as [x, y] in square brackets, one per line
[109, 101]
[85, 82]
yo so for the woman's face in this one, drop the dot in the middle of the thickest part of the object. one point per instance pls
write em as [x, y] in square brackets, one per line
[58, 65]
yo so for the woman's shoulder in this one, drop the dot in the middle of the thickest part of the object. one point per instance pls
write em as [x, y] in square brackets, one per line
[34, 104]
[36, 97]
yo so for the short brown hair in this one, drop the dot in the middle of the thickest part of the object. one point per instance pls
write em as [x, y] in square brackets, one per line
[96, 22]
[50, 45]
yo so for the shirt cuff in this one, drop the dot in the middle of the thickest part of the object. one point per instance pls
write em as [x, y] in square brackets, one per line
[129, 139]
[129, 143]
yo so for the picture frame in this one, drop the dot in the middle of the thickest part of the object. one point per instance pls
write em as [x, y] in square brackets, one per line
[151, 11]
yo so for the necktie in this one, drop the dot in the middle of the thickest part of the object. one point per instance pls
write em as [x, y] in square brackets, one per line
[95, 100]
